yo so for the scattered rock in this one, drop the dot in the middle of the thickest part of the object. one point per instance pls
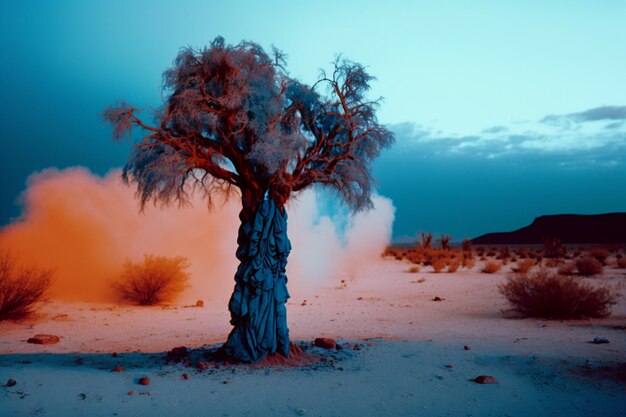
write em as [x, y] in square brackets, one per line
[131, 392]
[44, 339]
[467, 347]
[82, 396]
[177, 355]
[226, 381]
[485, 379]
[10, 383]
[144, 381]
[325, 343]
[438, 299]
[200, 303]
[185, 377]
[449, 365]
[202, 366]
[118, 368]
[303, 303]
[598, 340]
[114, 355]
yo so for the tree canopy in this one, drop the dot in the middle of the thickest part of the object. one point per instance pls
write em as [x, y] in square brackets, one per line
[233, 116]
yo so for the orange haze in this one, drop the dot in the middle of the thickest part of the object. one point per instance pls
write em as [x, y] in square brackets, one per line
[85, 226]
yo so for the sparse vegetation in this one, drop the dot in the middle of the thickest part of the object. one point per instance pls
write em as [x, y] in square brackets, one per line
[568, 268]
[426, 240]
[523, 266]
[600, 254]
[621, 263]
[550, 295]
[444, 241]
[22, 289]
[156, 280]
[491, 267]
[588, 266]
[553, 248]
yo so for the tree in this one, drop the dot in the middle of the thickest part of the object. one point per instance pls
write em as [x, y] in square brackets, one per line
[233, 119]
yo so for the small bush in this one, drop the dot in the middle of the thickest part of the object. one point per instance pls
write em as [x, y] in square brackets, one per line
[491, 267]
[568, 268]
[600, 254]
[156, 280]
[588, 266]
[22, 289]
[523, 266]
[468, 262]
[454, 265]
[553, 248]
[438, 263]
[550, 295]
[621, 262]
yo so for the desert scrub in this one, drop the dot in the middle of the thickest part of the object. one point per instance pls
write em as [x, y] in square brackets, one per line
[523, 266]
[413, 270]
[550, 295]
[22, 289]
[491, 267]
[588, 266]
[156, 280]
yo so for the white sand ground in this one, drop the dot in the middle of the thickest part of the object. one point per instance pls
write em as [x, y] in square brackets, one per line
[542, 367]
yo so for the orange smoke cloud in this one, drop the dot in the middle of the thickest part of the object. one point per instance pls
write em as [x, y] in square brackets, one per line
[85, 226]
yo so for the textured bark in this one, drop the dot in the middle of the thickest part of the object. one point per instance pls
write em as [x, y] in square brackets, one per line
[257, 305]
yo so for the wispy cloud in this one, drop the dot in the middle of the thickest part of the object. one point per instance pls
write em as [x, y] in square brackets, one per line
[593, 136]
[591, 115]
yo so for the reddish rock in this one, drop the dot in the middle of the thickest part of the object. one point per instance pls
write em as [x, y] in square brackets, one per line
[178, 354]
[467, 347]
[185, 377]
[118, 368]
[144, 381]
[449, 365]
[485, 379]
[44, 339]
[325, 343]
[202, 366]
[200, 303]
[10, 383]
[131, 392]
[438, 299]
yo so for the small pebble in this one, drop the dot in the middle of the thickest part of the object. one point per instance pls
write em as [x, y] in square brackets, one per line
[598, 340]
[467, 347]
[144, 381]
[11, 383]
[118, 368]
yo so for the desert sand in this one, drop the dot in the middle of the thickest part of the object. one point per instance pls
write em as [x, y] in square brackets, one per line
[402, 354]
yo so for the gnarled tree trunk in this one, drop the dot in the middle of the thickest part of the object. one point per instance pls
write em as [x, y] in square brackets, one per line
[257, 305]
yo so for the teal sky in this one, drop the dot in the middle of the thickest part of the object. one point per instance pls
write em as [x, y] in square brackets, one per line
[480, 93]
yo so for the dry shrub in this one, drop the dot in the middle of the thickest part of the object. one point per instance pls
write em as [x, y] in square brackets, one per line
[158, 279]
[600, 254]
[550, 295]
[438, 263]
[621, 262]
[491, 267]
[454, 265]
[568, 268]
[553, 248]
[22, 289]
[553, 262]
[468, 262]
[523, 266]
[588, 266]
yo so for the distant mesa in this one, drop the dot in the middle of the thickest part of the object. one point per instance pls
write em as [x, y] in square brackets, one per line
[569, 228]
